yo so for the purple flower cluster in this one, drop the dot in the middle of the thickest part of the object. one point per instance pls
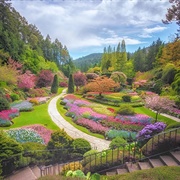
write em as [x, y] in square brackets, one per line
[149, 130]
[137, 118]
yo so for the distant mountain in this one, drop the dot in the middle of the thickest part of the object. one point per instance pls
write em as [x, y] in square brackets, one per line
[86, 62]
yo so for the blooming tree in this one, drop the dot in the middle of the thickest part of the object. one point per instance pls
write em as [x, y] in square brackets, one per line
[45, 78]
[79, 79]
[159, 104]
[101, 84]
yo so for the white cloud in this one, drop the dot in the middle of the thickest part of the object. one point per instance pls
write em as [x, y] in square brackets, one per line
[88, 24]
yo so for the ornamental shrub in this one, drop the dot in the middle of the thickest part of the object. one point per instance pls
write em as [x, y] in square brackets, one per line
[4, 104]
[126, 98]
[127, 135]
[14, 97]
[34, 101]
[126, 110]
[117, 142]
[81, 145]
[44, 79]
[63, 84]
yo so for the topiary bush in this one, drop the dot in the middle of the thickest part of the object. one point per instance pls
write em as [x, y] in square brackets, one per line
[81, 146]
[117, 142]
[126, 110]
[14, 97]
[4, 104]
[126, 98]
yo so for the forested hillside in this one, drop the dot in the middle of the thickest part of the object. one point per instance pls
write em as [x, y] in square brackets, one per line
[158, 65]
[23, 42]
[89, 61]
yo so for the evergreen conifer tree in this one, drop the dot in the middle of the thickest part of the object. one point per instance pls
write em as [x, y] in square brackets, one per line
[54, 87]
[70, 84]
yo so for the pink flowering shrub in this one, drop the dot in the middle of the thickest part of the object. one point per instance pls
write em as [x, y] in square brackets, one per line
[9, 114]
[26, 80]
[63, 84]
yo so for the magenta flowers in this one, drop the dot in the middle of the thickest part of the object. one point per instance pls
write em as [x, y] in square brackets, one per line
[9, 114]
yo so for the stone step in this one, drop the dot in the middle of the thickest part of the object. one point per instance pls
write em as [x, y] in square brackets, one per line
[122, 171]
[168, 160]
[23, 174]
[156, 162]
[144, 165]
[132, 167]
[176, 155]
[36, 171]
[111, 173]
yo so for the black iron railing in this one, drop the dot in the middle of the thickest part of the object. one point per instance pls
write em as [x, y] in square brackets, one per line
[130, 152]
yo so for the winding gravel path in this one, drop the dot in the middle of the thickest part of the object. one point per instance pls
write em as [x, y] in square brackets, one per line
[96, 143]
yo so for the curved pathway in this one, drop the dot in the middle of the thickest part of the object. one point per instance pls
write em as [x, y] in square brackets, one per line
[96, 143]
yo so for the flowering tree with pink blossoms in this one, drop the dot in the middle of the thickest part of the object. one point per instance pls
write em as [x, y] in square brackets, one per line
[26, 81]
[79, 79]
[159, 104]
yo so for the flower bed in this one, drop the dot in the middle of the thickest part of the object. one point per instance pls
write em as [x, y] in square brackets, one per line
[25, 135]
[41, 130]
[9, 114]
[92, 126]
[6, 116]
[23, 106]
[89, 115]
[33, 133]
[137, 118]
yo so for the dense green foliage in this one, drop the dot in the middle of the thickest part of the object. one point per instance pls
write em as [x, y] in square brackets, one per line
[81, 146]
[4, 104]
[25, 43]
[117, 142]
[126, 110]
[9, 148]
[86, 62]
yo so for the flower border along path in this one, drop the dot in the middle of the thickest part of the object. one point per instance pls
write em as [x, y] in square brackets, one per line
[96, 143]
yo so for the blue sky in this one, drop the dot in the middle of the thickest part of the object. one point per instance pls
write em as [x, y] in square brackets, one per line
[87, 26]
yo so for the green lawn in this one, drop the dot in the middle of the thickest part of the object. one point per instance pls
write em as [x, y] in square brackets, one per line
[143, 110]
[38, 116]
